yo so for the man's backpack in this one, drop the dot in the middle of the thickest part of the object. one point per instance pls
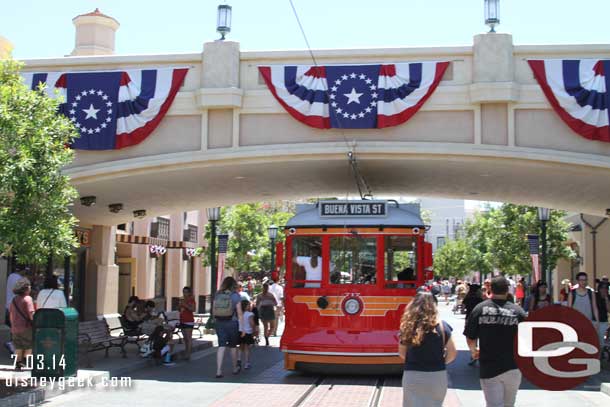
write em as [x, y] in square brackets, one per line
[222, 307]
[592, 299]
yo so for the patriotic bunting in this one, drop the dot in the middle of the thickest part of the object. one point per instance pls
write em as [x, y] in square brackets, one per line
[353, 96]
[112, 110]
[579, 91]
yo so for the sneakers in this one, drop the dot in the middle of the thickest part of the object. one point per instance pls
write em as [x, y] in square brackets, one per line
[10, 347]
[248, 365]
[169, 364]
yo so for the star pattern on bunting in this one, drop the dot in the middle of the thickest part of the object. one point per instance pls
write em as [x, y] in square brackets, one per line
[347, 90]
[96, 111]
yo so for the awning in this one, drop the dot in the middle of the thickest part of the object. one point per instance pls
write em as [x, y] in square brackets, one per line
[168, 244]
[134, 239]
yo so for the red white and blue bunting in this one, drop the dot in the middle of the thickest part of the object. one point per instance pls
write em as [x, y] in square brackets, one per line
[579, 91]
[112, 110]
[353, 96]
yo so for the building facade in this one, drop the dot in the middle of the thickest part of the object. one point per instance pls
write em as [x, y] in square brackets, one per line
[447, 217]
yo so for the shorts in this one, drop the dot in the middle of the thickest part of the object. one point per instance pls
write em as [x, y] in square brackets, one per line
[227, 332]
[267, 313]
[23, 339]
[186, 325]
[247, 339]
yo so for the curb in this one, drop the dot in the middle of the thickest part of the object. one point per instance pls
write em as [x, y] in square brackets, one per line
[37, 396]
[605, 388]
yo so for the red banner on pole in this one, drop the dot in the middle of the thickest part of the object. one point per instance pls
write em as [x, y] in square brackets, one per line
[536, 267]
[221, 268]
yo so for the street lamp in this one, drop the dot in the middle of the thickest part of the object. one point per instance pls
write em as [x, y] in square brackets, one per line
[213, 217]
[272, 233]
[492, 14]
[223, 21]
[544, 214]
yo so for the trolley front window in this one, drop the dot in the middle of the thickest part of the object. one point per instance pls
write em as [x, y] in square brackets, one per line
[400, 261]
[353, 260]
[306, 261]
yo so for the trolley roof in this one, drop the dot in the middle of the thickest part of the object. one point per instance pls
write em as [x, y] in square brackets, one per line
[357, 213]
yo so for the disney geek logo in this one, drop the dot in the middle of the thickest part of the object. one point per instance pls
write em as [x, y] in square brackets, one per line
[557, 348]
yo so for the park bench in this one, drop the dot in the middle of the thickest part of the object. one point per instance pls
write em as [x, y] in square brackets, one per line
[95, 335]
[119, 327]
[173, 319]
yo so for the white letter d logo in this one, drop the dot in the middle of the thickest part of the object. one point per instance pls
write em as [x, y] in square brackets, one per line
[525, 343]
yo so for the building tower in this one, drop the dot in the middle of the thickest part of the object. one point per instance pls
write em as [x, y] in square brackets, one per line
[94, 34]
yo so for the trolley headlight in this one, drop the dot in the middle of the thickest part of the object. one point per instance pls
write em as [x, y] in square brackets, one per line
[352, 305]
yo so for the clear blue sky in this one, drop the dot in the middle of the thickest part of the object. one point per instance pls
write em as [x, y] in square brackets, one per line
[43, 28]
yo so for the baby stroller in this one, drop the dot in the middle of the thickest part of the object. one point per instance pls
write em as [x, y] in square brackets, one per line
[458, 307]
[157, 345]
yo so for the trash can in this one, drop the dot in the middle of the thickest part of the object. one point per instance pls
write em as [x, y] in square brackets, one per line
[55, 352]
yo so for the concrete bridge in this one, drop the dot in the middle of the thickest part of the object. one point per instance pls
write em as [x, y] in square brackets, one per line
[487, 133]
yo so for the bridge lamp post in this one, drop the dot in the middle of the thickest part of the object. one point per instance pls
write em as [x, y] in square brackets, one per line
[544, 215]
[272, 233]
[223, 20]
[492, 14]
[213, 217]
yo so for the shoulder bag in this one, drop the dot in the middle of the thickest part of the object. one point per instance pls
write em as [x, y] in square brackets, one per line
[20, 312]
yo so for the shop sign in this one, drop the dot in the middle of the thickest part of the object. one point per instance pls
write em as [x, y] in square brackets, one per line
[83, 236]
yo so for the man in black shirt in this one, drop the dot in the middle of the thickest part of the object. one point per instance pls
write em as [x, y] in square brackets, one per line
[493, 323]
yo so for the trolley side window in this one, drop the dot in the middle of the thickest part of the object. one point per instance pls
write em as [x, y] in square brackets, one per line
[400, 261]
[306, 261]
[353, 260]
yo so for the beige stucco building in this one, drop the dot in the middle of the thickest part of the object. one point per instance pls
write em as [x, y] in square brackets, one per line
[5, 48]
[486, 133]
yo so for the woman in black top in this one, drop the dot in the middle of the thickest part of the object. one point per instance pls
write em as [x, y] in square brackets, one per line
[426, 346]
[540, 297]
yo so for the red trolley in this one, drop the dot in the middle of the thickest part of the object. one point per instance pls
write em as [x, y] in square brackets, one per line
[351, 267]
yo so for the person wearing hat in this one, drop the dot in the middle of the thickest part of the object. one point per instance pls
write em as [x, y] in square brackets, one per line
[21, 312]
[603, 307]
[564, 293]
[278, 292]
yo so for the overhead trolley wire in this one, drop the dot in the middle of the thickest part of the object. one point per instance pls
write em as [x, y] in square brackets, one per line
[296, 15]
[351, 154]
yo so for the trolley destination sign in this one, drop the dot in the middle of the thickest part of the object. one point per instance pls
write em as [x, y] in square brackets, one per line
[353, 208]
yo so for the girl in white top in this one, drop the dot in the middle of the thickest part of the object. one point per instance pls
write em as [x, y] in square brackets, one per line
[51, 296]
[247, 330]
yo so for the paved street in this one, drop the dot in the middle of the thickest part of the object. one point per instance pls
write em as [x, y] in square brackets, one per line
[193, 383]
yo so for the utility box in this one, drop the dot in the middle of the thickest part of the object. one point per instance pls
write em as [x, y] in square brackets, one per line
[55, 352]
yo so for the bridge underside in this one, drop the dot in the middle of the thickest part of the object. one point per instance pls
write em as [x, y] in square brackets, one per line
[192, 185]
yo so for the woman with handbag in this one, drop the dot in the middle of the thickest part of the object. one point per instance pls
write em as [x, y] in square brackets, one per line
[426, 345]
[51, 296]
[21, 312]
[265, 303]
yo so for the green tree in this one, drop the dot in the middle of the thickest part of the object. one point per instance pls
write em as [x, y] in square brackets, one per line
[500, 234]
[35, 222]
[456, 258]
[249, 248]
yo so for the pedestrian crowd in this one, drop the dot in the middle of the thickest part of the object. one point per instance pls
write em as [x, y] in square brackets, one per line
[237, 317]
[492, 312]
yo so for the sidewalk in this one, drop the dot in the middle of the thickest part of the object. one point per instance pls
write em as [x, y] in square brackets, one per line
[103, 369]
